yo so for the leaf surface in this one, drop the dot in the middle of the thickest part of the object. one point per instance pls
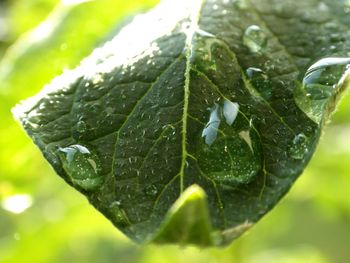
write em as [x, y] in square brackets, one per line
[196, 106]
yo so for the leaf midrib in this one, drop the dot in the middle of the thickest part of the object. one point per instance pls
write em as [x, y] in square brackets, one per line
[194, 19]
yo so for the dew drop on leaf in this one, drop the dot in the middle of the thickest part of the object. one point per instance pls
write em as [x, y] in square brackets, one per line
[80, 129]
[82, 166]
[254, 72]
[298, 148]
[118, 214]
[254, 39]
[321, 83]
[228, 111]
[320, 79]
[239, 160]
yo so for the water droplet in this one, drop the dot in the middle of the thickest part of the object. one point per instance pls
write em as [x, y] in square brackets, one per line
[151, 190]
[254, 39]
[228, 111]
[254, 72]
[80, 129]
[118, 214]
[82, 166]
[233, 159]
[210, 43]
[322, 77]
[320, 83]
[298, 149]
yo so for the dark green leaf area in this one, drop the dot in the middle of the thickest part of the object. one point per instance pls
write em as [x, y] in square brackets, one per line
[217, 98]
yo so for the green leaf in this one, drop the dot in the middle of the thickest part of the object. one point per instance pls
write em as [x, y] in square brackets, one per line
[209, 93]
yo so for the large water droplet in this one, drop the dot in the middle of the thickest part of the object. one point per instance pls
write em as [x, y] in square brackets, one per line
[233, 159]
[322, 77]
[321, 82]
[254, 39]
[82, 166]
[228, 112]
[298, 148]
[230, 152]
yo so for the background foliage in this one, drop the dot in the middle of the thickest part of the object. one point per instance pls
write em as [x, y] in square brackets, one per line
[41, 38]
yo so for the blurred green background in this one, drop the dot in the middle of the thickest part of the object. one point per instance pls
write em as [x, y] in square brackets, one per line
[44, 220]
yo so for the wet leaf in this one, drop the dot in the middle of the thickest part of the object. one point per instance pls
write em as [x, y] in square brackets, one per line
[196, 119]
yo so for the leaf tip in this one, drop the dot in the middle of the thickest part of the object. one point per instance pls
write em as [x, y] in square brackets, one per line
[187, 221]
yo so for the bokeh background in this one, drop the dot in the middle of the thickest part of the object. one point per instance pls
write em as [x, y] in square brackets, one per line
[44, 220]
